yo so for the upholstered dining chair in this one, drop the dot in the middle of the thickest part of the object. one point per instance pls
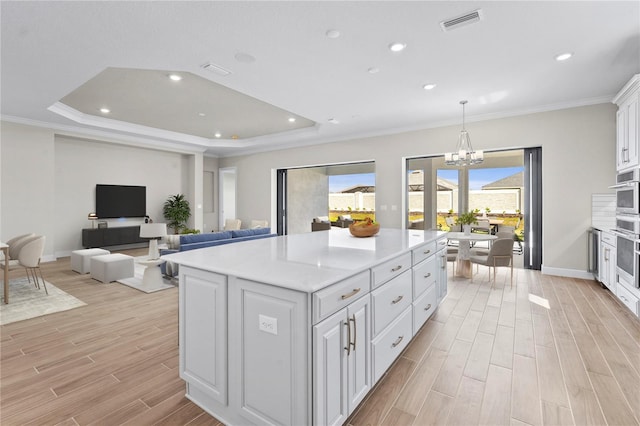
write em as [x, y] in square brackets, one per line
[14, 254]
[500, 254]
[452, 256]
[259, 224]
[482, 226]
[29, 258]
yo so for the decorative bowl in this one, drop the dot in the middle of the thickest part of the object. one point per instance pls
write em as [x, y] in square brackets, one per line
[364, 231]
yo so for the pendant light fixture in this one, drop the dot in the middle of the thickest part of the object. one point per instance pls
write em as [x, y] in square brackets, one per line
[464, 154]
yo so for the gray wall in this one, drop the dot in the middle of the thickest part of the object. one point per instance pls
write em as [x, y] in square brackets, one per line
[578, 147]
[307, 197]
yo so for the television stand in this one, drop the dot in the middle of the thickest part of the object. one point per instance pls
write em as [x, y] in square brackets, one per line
[105, 237]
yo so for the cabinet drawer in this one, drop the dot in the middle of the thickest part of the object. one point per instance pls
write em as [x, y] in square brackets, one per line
[421, 253]
[441, 244]
[335, 297]
[390, 300]
[629, 300]
[424, 275]
[388, 346]
[389, 269]
[424, 307]
[608, 238]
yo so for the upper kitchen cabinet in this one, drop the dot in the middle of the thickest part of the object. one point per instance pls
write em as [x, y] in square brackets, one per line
[627, 121]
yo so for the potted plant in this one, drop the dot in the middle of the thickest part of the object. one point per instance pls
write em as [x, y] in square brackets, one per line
[177, 211]
[466, 220]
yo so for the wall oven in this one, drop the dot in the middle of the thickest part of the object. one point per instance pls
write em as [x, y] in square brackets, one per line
[628, 192]
[628, 259]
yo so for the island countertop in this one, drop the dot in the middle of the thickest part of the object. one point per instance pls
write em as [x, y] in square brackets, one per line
[304, 262]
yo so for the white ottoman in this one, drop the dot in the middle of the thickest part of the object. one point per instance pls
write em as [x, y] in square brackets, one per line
[111, 267]
[81, 259]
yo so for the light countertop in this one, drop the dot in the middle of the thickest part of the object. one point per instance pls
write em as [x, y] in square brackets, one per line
[304, 262]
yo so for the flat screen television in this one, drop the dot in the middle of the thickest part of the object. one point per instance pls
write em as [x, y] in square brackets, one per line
[121, 201]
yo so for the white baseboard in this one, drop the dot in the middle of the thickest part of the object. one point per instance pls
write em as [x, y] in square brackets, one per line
[570, 273]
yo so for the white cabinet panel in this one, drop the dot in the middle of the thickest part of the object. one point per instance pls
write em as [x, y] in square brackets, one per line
[337, 296]
[628, 125]
[268, 353]
[424, 307]
[389, 269]
[425, 274]
[389, 344]
[421, 253]
[390, 300]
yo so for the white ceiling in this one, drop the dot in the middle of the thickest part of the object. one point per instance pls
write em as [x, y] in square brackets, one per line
[503, 65]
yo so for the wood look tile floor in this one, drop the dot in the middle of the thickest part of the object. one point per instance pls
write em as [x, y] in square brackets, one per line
[550, 351]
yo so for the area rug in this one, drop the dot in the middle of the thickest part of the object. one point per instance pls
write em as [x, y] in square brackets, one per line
[26, 301]
[136, 281]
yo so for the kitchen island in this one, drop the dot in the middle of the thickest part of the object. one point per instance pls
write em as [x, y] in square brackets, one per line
[296, 330]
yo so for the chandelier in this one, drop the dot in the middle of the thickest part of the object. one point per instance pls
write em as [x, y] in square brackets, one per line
[464, 154]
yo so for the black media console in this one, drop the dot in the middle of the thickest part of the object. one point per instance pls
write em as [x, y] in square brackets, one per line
[105, 237]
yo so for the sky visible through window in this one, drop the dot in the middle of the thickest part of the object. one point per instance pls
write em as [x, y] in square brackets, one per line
[480, 177]
[338, 183]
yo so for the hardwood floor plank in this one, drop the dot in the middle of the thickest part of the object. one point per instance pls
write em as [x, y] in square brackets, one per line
[585, 406]
[552, 386]
[398, 418]
[466, 408]
[420, 344]
[469, 327]
[451, 372]
[435, 410]
[489, 321]
[502, 353]
[524, 342]
[496, 404]
[556, 415]
[525, 402]
[614, 406]
[479, 358]
[542, 333]
[414, 393]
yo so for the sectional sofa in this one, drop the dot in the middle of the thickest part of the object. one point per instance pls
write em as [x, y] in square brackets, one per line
[178, 243]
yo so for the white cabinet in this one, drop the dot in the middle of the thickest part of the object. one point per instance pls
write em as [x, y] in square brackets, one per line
[203, 332]
[628, 125]
[442, 268]
[342, 363]
[607, 262]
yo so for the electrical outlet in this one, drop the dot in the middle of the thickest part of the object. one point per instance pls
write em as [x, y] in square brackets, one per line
[268, 324]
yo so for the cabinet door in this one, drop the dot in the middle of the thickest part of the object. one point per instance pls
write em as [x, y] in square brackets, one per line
[442, 276]
[632, 131]
[330, 370]
[359, 358]
[611, 269]
[203, 331]
[621, 139]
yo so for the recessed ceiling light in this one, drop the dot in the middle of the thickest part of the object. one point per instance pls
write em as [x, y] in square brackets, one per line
[564, 56]
[373, 70]
[333, 33]
[333, 121]
[175, 77]
[105, 110]
[397, 47]
[428, 86]
[218, 134]
[201, 114]
[234, 136]
[292, 120]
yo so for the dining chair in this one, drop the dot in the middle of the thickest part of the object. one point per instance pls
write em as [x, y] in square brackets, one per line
[500, 254]
[452, 256]
[259, 224]
[29, 258]
[483, 226]
[14, 255]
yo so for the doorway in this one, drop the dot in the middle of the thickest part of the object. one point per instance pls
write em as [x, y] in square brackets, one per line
[227, 190]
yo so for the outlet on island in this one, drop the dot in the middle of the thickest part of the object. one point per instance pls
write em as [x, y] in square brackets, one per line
[268, 324]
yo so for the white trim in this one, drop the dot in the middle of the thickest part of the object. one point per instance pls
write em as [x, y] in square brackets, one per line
[570, 273]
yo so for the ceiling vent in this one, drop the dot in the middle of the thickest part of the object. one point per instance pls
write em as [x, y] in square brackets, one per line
[217, 69]
[466, 19]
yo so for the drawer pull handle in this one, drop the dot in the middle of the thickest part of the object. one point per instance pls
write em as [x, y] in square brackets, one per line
[428, 307]
[397, 299]
[355, 331]
[397, 342]
[428, 275]
[427, 252]
[397, 268]
[348, 295]
[348, 348]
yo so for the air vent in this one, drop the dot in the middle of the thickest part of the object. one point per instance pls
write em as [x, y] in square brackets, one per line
[216, 69]
[466, 19]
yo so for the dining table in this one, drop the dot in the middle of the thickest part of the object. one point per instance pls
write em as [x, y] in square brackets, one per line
[5, 249]
[463, 264]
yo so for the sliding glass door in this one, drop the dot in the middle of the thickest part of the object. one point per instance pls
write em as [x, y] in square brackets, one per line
[497, 188]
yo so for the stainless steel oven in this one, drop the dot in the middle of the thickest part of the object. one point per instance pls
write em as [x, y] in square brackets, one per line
[628, 224]
[628, 259]
[628, 192]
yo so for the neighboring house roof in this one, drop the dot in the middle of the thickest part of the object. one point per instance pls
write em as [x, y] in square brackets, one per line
[359, 188]
[513, 181]
[416, 182]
